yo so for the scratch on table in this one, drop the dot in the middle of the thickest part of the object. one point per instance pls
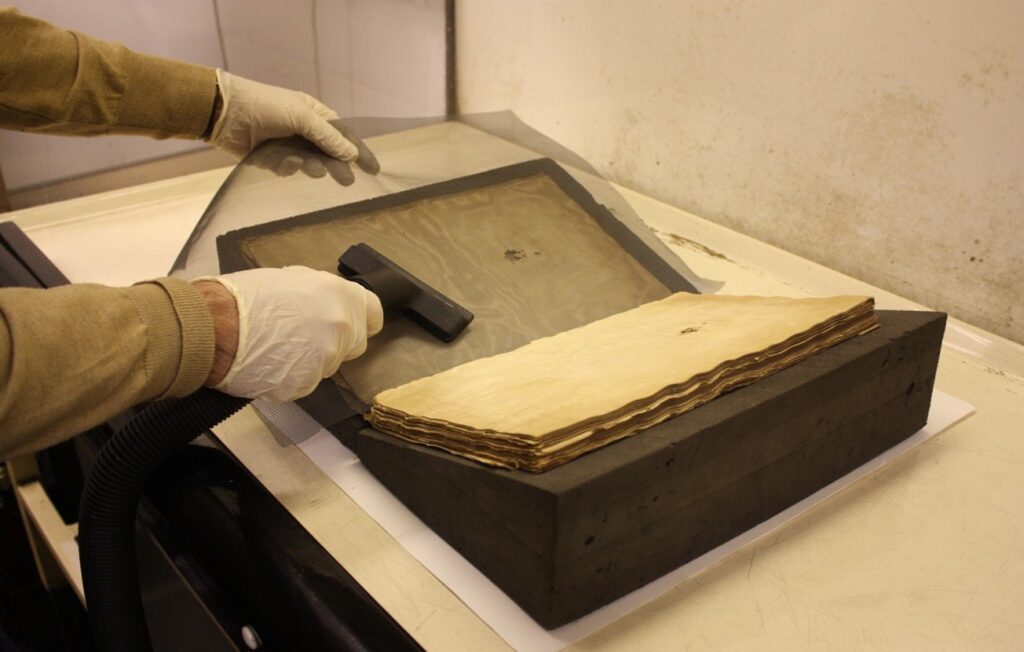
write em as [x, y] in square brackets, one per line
[424, 621]
[753, 591]
[679, 240]
[439, 607]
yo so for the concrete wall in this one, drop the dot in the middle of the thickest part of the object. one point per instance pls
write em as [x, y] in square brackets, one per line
[883, 139]
[382, 58]
[362, 57]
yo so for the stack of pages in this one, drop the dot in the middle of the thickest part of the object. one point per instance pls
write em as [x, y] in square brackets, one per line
[558, 397]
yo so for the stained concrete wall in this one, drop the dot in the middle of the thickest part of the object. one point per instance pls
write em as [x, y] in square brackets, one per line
[883, 139]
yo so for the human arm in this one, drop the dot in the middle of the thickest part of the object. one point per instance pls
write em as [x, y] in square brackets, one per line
[73, 357]
[60, 81]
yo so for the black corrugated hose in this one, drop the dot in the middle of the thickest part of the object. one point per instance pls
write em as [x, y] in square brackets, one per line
[106, 521]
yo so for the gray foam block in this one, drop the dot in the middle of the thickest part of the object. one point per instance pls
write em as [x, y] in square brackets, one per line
[565, 542]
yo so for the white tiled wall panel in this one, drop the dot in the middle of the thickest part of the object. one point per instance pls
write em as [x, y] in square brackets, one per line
[376, 57]
[397, 50]
[270, 41]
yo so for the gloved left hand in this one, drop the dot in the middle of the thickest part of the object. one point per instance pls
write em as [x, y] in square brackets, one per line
[253, 112]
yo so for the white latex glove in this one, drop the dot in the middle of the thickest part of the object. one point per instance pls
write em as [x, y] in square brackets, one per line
[296, 327]
[253, 112]
[285, 157]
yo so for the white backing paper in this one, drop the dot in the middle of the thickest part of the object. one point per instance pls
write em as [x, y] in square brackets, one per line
[487, 600]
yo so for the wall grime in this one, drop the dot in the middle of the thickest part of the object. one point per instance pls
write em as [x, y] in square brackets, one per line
[882, 140]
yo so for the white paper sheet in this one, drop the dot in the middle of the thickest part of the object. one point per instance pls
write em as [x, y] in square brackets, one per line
[487, 600]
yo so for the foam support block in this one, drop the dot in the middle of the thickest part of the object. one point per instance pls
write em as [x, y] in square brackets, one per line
[565, 542]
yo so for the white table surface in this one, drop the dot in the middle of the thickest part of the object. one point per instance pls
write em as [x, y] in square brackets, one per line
[926, 553]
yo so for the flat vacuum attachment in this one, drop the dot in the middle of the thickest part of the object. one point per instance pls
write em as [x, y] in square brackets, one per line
[402, 293]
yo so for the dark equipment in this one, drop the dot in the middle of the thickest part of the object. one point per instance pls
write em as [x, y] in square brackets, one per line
[401, 292]
[140, 448]
[565, 542]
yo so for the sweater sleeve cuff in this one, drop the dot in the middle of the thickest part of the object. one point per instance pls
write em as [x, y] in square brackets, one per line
[165, 98]
[180, 352]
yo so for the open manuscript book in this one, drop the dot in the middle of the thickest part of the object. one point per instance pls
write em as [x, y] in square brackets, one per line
[558, 397]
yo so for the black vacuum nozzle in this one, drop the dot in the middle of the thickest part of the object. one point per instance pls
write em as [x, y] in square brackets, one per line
[400, 291]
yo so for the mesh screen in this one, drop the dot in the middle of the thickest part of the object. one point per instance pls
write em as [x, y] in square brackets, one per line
[458, 204]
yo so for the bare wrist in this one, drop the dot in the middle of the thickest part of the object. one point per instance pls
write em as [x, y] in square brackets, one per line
[224, 312]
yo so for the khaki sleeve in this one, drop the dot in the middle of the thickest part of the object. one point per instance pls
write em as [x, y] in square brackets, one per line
[58, 81]
[74, 356]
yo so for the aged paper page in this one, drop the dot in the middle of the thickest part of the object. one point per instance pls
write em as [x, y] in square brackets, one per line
[558, 396]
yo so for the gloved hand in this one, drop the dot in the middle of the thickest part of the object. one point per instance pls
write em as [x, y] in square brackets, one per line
[287, 157]
[295, 327]
[253, 112]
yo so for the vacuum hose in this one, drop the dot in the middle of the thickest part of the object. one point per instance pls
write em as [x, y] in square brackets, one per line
[106, 534]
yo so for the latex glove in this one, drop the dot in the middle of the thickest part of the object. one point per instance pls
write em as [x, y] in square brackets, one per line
[253, 113]
[285, 158]
[295, 328]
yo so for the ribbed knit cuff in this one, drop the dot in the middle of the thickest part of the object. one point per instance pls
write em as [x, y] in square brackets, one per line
[189, 338]
[165, 98]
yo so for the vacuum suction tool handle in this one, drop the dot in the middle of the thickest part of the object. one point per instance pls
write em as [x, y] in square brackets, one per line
[393, 291]
[401, 292]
